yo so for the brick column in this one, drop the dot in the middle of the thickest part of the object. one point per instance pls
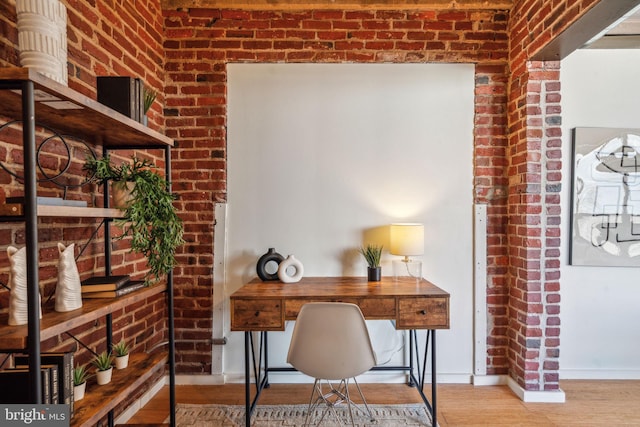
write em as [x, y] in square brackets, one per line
[534, 229]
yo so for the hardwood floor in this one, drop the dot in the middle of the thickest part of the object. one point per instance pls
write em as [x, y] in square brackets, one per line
[588, 403]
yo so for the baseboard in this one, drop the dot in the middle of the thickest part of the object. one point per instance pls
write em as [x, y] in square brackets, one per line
[369, 377]
[555, 396]
[605, 374]
[487, 380]
[215, 379]
[124, 417]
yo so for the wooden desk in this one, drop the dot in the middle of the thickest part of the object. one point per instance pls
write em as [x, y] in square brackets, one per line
[265, 306]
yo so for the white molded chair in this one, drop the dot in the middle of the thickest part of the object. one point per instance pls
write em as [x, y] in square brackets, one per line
[331, 342]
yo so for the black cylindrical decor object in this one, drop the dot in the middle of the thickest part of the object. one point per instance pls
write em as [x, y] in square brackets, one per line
[270, 257]
[374, 274]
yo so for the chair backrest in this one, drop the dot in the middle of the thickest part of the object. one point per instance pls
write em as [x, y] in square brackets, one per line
[331, 341]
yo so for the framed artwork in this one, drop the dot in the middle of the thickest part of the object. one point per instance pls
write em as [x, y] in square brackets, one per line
[605, 216]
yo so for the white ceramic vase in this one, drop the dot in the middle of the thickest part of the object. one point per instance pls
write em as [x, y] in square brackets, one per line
[42, 37]
[122, 361]
[68, 290]
[78, 391]
[18, 302]
[104, 377]
[290, 270]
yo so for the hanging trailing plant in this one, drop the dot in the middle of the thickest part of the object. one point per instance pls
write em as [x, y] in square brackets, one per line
[150, 218]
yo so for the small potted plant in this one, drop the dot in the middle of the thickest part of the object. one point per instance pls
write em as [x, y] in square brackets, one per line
[121, 351]
[149, 95]
[103, 363]
[372, 254]
[80, 376]
[149, 218]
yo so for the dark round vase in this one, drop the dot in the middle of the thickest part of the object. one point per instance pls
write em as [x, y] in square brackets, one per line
[374, 274]
[261, 267]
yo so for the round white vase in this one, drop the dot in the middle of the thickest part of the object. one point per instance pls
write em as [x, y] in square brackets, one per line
[290, 270]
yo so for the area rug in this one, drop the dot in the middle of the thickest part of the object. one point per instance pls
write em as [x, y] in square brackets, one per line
[188, 415]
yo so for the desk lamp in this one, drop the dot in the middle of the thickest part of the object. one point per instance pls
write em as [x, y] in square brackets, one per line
[407, 239]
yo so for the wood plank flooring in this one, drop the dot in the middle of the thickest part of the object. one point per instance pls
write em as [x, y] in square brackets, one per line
[588, 403]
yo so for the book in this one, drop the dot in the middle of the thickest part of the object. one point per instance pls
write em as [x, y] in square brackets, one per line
[14, 385]
[104, 283]
[49, 201]
[121, 93]
[65, 364]
[131, 287]
[54, 384]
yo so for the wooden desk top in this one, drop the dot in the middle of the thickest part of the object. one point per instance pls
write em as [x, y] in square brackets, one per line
[260, 306]
[338, 286]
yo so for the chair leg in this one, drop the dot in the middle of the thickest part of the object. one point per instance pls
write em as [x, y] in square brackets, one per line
[364, 401]
[341, 395]
[311, 406]
[348, 399]
[322, 398]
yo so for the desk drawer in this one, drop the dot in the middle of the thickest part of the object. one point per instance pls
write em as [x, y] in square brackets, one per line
[423, 313]
[257, 315]
[372, 308]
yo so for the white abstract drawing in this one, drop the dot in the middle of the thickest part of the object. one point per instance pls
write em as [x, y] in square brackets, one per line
[606, 197]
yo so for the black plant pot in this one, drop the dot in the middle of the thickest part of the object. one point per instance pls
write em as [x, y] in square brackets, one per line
[374, 274]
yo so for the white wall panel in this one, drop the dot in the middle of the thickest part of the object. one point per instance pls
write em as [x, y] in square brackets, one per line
[599, 336]
[321, 156]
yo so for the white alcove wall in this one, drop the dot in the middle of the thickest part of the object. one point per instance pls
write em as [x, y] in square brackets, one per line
[322, 155]
[599, 335]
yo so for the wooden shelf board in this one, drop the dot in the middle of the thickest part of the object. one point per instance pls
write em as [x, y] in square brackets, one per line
[100, 399]
[87, 119]
[54, 323]
[78, 212]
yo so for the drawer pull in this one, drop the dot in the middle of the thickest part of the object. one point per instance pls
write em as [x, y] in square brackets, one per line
[257, 314]
[423, 312]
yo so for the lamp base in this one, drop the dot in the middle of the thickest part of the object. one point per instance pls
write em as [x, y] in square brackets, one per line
[407, 268]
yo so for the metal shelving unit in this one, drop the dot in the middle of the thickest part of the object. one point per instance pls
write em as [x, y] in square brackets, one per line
[27, 96]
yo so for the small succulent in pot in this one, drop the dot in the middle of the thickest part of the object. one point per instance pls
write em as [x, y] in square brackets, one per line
[103, 361]
[80, 375]
[372, 254]
[120, 349]
[149, 95]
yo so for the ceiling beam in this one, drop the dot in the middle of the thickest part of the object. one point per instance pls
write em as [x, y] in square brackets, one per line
[338, 4]
[631, 41]
[594, 21]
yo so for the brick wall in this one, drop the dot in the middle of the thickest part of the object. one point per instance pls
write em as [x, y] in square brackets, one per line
[534, 154]
[199, 44]
[104, 38]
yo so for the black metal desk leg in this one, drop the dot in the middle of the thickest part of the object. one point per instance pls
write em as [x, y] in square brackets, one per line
[412, 334]
[247, 380]
[434, 398]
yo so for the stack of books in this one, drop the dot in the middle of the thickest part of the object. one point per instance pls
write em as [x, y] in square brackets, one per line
[57, 380]
[109, 286]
